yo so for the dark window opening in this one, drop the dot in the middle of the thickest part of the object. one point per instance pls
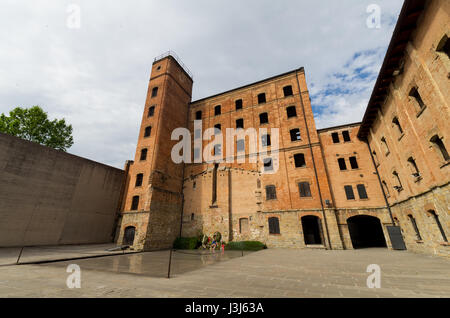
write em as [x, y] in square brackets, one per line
[440, 145]
[375, 158]
[366, 231]
[414, 93]
[139, 179]
[198, 115]
[238, 104]
[217, 110]
[414, 225]
[304, 189]
[261, 98]
[240, 123]
[342, 164]
[385, 145]
[128, 235]
[214, 184]
[265, 139]
[312, 231]
[386, 189]
[192, 216]
[346, 135]
[274, 225]
[362, 191]
[194, 184]
[271, 192]
[438, 223]
[263, 118]
[154, 91]
[291, 112]
[240, 145]
[287, 90]
[399, 185]
[219, 127]
[135, 203]
[397, 124]
[151, 111]
[444, 46]
[353, 163]
[148, 131]
[349, 192]
[295, 134]
[414, 168]
[335, 137]
[144, 154]
[299, 160]
[268, 164]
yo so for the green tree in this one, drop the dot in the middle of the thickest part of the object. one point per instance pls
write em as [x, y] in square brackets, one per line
[33, 124]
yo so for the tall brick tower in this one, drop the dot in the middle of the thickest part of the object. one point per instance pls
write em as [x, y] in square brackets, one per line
[152, 205]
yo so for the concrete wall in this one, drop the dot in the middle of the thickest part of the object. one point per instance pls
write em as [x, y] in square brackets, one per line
[50, 197]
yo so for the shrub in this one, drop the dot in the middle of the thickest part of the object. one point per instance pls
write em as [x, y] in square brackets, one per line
[186, 243]
[246, 246]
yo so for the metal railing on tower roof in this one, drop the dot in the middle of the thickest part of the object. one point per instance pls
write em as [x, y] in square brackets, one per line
[175, 56]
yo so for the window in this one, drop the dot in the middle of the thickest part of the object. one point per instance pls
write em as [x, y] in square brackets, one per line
[238, 104]
[243, 225]
[396, 123]
[274, 225]
[148, 131]
[154, 91]
[444, 46]
[375, 158]
[304, 189]
[139, 179]
[271, 192]
[263, 118]
[346, 135]
[217, 150]
[385, 145]
[217, 110]
[240, 145]
[414, 93]
[414, 169]
[295, 134]
[198, 115]
[135, 203]
[440, 145]
[291, 112]
[219, 127]
[386, 189]
[287, 90]
[143, 154]
[414, 225]
[438, 223]
[268, 164]
[194, 184]
[299, 160]
[192, 216]
[342, 165]
[214, 184]
[362, 191]
[265, 139]
[335, 137]
[261, 98]
[353, 163]
[398, 182]
[349, 192]
[239, 123]
[151, 111]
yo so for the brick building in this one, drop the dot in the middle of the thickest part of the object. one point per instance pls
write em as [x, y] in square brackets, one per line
[300, 187]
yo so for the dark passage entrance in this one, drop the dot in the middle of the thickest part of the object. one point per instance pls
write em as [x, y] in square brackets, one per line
[311, 229]
[366, 231]
[128, 236]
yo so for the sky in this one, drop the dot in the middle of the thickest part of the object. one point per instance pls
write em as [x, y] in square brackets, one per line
[95, 73]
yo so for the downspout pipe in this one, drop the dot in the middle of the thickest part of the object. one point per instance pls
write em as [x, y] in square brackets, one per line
[313, 160]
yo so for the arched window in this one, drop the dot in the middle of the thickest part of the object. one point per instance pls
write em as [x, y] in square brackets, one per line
[398, 183]
[437, 142]
[414, 225]
[438, 223]
[274, 225]
[414, 169]
[396, 123]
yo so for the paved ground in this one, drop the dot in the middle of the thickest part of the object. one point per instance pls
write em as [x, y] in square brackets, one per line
[268, 273]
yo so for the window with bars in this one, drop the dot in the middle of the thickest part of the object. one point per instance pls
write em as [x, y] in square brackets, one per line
[274, 225]
[271, 192]
[304, 189]
[349, 192]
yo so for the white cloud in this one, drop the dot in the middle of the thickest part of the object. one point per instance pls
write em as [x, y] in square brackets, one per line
[96, 77]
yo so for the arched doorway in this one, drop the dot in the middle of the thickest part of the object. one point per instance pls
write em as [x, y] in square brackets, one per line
[312, 230]
[366, 231]
[128, 236]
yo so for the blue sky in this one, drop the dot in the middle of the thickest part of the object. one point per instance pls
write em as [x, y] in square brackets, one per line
[96, 76]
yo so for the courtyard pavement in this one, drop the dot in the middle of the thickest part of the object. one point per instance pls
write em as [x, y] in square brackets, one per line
[267, 273]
